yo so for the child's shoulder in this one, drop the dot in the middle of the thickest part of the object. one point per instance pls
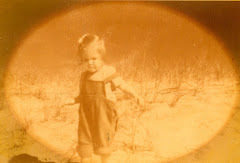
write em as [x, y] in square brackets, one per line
[108, 70]
[84, 73]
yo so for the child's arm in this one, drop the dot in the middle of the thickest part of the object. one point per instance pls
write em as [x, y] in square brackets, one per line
[71, 101]
[77, 99]
[129, 90]
[118, 82]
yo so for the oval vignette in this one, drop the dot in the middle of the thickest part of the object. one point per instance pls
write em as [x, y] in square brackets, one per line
[181, 70]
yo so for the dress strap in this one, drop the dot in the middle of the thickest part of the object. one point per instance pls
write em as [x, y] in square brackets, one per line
[108, 79]
[82, 80]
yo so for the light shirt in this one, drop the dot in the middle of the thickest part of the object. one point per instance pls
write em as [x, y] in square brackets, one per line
[102, 74]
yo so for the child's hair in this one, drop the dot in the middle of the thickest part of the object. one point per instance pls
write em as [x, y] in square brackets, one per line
[94, 41]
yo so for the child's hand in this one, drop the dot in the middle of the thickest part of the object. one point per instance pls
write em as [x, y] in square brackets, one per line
[69, 102]
[139, 100]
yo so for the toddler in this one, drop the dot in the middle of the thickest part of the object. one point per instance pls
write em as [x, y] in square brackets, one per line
[97, 113]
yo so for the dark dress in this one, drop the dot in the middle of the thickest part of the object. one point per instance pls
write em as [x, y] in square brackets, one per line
[97, 118]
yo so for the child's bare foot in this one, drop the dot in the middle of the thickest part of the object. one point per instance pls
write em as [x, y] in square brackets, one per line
[86, 160]
[75, 158]
[105, 158]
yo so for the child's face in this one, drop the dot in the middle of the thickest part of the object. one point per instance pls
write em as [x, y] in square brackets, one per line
[92, 59]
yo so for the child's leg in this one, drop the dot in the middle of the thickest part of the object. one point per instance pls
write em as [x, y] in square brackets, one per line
[105, 158]
[86, 160]
[85, 151]
[84, 147]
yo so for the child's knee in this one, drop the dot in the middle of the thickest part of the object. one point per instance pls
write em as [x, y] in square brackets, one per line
[105, 151]
[85, 151]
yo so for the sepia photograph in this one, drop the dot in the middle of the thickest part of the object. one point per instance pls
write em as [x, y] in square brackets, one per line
[119, 81]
